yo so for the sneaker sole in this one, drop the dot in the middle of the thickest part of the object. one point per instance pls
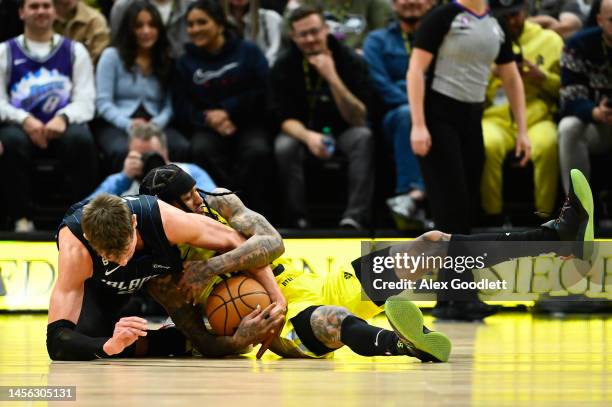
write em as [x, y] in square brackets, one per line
[407, 321]
[582, 190]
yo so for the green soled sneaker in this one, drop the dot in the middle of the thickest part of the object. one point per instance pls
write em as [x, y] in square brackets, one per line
[407, 321]
[575, 222]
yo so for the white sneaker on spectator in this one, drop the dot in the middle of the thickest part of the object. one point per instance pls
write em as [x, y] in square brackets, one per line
[350, 223]
[24, 225]
[402, 205]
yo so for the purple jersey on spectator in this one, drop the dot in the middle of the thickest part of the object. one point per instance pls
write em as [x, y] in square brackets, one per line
[40, 87]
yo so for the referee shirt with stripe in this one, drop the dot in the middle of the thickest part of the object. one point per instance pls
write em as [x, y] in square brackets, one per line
[464, 46]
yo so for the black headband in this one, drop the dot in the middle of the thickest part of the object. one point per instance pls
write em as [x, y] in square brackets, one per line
[179, 185]
[168, 183]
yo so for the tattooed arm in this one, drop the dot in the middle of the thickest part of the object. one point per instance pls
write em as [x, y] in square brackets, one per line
[263, 245]
[253, 329]
[263, 241]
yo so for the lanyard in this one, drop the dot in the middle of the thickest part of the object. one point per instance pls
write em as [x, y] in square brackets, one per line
[312, 93]
[407, 42]
[27, 47]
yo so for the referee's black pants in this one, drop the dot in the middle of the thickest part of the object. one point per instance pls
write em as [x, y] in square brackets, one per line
[452, 170]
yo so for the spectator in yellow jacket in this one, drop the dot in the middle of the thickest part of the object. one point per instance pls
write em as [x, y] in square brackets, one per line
[538, 53]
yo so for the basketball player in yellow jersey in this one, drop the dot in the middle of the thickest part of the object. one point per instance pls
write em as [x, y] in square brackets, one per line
[324, 313]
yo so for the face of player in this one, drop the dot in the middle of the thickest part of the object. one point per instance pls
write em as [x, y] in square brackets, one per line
[310, 35]
[193, 201]
[604, 19]
[125, 257]
[145, 31]
[411, 11]
[203, 30]
[38, 15]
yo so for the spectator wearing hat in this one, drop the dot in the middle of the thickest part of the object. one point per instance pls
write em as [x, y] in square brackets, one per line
[539, 52]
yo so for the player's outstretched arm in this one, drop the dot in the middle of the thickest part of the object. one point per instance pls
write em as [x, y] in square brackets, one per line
[253, 329]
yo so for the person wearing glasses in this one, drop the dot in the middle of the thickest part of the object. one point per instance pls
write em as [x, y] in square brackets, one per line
[325, 108]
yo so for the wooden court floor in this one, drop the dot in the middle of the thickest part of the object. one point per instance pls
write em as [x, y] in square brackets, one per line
[512, 359]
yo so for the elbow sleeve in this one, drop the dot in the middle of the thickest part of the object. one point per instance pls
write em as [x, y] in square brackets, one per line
[64, 343]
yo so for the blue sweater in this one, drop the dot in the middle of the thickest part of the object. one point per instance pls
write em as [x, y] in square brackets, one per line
[234, 80]
[586, 75]
[119, 93]
[120, 184]
[387, 59]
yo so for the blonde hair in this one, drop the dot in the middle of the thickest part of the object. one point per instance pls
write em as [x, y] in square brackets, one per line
[107, 224]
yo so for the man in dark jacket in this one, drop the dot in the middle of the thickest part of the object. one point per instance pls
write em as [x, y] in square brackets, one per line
[320, 91]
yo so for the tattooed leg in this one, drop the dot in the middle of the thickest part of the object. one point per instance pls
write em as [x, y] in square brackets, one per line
[326, 323]
[336, 326]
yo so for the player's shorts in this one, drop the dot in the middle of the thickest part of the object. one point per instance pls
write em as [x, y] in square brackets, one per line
[303, 290]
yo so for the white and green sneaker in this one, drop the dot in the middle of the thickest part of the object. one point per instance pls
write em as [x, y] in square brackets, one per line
[406, 320]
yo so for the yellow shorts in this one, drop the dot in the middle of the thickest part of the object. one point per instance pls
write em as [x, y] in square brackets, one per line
[302, 290]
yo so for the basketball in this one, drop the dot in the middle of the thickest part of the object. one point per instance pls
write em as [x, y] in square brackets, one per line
[233, 299]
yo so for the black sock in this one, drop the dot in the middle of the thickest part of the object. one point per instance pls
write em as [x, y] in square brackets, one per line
[465, 245]
[367, 340]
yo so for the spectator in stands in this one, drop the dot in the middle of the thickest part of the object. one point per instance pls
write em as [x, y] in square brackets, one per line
[455, 46]
[133, 84]
[220, 88]
[148, 150]
[263, 27]
[46, 99]
[320, 83]
[80, 22]
[351, 20]
[387, 52]
[565, 17]
[539, 52]
[586, 95]
[172, 14]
